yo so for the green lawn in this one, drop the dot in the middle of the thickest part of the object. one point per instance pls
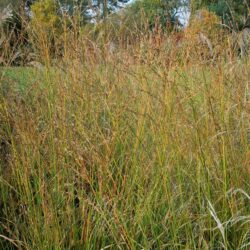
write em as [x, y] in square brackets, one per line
[19, 78]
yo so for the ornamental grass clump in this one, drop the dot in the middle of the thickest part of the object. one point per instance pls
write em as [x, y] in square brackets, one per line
[134, 148]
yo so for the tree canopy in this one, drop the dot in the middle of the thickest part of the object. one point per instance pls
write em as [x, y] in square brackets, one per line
[165, 11]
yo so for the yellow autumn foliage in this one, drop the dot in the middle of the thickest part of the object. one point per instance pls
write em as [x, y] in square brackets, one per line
[44, 15]
[206, 22]
[206, 35]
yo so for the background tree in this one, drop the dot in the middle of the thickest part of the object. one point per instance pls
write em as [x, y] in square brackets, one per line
[234, 13]
[165, 11]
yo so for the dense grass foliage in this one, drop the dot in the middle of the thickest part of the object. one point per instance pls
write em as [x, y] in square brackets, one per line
[142, 145]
